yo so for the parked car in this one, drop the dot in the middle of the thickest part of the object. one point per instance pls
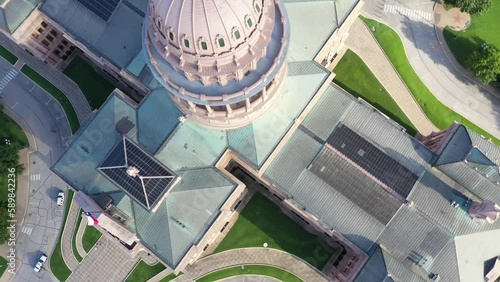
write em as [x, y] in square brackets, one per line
[60, 198]
[40, 263]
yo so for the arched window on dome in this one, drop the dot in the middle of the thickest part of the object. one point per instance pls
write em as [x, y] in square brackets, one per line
[220, 41]
[236, 33]
[248, 21]
[203, 44]
[171, 35]
[186, 42]
[257, 7]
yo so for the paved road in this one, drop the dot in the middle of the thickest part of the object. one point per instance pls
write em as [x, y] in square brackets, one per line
[430, 59]
[48, 125]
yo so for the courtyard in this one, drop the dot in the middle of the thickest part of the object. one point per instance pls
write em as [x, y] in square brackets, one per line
[267, 224]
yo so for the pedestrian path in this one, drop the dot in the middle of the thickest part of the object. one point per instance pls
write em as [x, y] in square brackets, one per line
[9, 76]
[362, 42]
[251, 256]
[79, 235]
[411, 13]
[67, 236]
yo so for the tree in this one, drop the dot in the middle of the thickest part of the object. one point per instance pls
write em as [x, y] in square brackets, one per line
[486, 63]
[473, 7]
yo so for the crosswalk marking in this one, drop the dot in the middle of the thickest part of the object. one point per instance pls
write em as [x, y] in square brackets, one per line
[407, 12]
[27, 230]
[35, 177]
[11, 74]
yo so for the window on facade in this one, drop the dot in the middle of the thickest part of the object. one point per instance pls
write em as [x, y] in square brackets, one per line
[50, 38]
[65, 42]
[204, 45]
[56, 52]
[186, 43]
[45, 43]
[40, 30]
[237, 34]
[44, 24]
[221, 42]
[171, 35]
[53, 32]
[35, 35]
[249, 22]
[257, 7]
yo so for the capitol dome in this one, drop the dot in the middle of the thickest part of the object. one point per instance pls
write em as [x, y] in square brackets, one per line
[222, 61]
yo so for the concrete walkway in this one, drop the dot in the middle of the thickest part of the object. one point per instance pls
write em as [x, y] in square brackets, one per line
[79, 235]
[67, 236]
[252, 256]
[61, 81]
[362, 42]
[431, 59]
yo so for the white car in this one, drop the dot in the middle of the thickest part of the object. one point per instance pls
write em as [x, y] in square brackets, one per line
[60, 198]
[40, 263]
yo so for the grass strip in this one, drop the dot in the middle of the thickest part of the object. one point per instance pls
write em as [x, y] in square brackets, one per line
[6, 54]
[56, 93]
[144, 272]
[170, 277]
[437, 112]
[265, 270]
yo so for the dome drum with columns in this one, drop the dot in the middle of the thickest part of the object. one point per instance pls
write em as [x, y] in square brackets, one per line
[223, 62]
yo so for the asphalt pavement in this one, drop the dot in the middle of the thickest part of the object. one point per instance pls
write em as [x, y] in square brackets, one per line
[45, 120]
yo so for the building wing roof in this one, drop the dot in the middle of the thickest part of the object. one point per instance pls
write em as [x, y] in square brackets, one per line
[117, 39]
[15, 12]
[309, 36]
[182, 218]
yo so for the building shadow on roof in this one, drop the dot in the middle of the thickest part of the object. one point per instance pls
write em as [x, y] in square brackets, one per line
[488, 265]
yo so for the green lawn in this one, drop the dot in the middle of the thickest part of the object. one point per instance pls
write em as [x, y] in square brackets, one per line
[170, 277]
[6, 54]
[261, 221]
[56, 93]
[95, 87]
[143, 272]
[73, 240]
[438, 113]
[57, 264]
[354, 76]
[483, 28]
[270, 271]
[90, 237]
[3, 265]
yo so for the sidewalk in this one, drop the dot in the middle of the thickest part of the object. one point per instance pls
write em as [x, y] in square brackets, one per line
[362, 42]
[432, 61]
[251, 256]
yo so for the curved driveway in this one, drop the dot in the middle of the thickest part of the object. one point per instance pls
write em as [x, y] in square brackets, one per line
[38, 228]
[432, 61]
